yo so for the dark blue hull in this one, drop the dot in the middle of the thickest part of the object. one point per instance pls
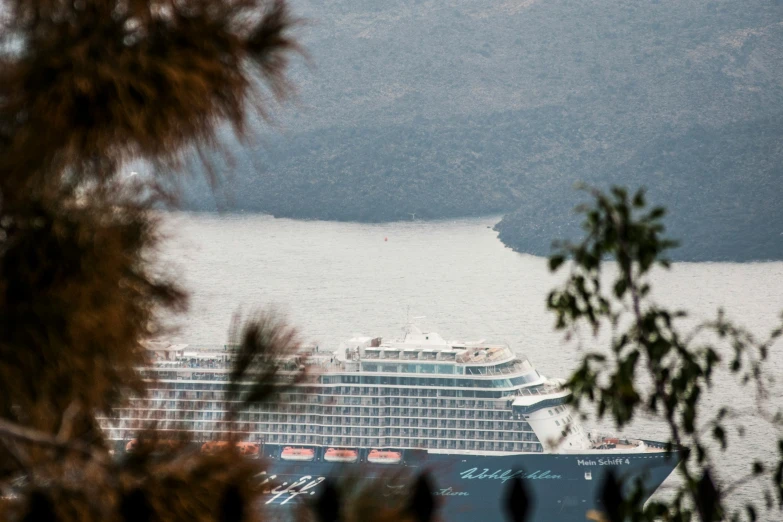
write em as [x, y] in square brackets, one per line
[563, 488]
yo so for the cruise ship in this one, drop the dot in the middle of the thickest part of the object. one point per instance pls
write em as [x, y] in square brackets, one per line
[472, 415]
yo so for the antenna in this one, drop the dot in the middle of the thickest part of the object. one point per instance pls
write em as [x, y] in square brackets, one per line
[409, 326]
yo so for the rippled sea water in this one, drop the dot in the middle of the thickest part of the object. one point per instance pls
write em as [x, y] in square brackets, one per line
[335, 280]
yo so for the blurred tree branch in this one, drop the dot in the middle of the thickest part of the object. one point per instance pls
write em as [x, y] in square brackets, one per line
[649, 345]
[266, 359]
[86, 87]
[10, 430]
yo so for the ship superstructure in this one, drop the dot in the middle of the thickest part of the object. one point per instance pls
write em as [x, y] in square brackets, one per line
[420, 392]
[384, 403]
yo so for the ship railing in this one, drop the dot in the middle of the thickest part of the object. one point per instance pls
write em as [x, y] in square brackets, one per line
[328, 365]
[195, 363]
[516, 369]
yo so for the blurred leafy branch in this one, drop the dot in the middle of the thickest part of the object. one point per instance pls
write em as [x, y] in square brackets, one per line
[85, 88]
[658, 363]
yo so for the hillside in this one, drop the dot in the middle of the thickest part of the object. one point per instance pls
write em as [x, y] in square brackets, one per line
[718, 214]
[464, 107]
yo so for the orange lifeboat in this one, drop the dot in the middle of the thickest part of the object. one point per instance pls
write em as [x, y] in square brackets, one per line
[248, 449]
[212, 447]
[341, 455]
[133, 445]
[300, 454]
[384, 457]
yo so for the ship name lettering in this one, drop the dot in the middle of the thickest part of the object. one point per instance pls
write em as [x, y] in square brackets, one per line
[542, 475]
[395, 490]
[603, 462]
[309, 485]
[613, 462]
[449, 492]
[278, 492]
[506, 475]
[303, 484]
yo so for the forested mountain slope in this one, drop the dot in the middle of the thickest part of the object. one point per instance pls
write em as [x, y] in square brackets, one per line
[717, 214]
[462, 107]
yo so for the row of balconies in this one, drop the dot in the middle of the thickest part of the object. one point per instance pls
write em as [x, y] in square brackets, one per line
[468, 441]
[321, 420]
[433, 418]
[440, 408]
[164, 390]
[339, 391]
[305, 400]
[313, 425]
[439, 433]
[396, 442]
[366, 395]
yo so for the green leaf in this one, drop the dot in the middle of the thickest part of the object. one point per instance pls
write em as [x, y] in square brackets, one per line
[620, 287]
[555, 262]
[638, 199]
[720, 435]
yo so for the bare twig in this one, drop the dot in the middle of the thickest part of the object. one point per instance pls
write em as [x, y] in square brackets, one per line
[66, 426]
[11, 430]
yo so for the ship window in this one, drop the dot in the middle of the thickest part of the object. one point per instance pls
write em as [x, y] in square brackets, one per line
[524, 379]
[550, 412]
[557, 423]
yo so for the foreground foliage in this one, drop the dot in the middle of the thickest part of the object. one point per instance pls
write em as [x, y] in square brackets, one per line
[86, 87]
[656, 363]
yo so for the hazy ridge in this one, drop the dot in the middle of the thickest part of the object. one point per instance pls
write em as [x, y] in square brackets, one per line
[722, 189]
[458, 108]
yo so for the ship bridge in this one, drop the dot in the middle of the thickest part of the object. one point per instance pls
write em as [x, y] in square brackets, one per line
[478, 358]
[551, 419]
[415, 337]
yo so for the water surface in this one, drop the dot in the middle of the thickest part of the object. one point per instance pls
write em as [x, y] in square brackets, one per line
[336, 280]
